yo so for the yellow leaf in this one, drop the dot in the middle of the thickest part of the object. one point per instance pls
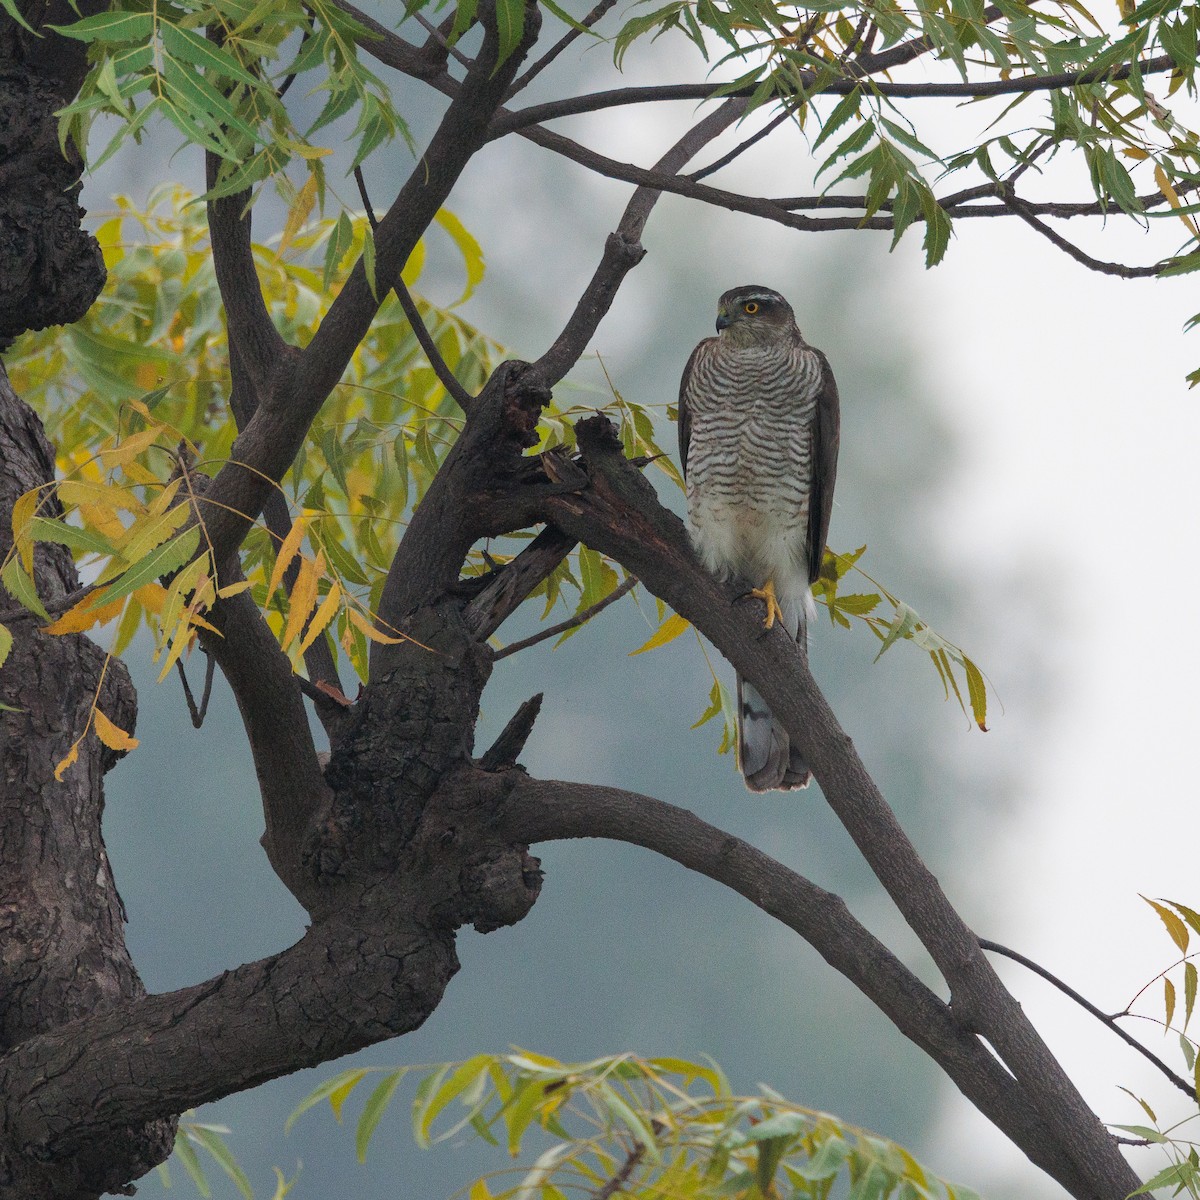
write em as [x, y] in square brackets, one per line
[88, 612]
[367, 629]
[104, 495]
[182, 639]
[302, 206]
[233, 589]
[1164, 186]
[23, 512]
[668, 631]
[103, 520]
[322, 616]
[163, 500]
[303, 597]
[130, 448]
[113, 736]
[72, 757]
[1135, 152]
[150, 531]
[147, 376]
[287, 551]
[151, 596]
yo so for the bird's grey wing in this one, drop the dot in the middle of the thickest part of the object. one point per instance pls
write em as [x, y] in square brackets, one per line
[826, 437]
[685, 416]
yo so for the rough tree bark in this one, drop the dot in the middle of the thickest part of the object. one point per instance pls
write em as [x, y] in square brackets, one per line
[403, 837]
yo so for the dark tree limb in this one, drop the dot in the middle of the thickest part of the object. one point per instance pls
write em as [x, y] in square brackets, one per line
[541, 810]
[266, 448]
[260, 345]
[1071, 250]
[510, 586]
[269, 699]
[506, 749]
[61, 918]
[620, 516]
[566, 40]
[539, 114]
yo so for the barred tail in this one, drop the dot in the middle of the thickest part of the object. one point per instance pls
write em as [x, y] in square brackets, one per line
[765, 754]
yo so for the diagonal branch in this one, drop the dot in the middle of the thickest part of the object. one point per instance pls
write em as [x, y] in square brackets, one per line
[433, 355]
[620, 515]
[580, 618]
[541, 810]
[623, 249]
[1069, 248]
[266, 448]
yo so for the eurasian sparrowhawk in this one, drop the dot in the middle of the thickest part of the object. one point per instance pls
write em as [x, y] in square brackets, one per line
[758, 440]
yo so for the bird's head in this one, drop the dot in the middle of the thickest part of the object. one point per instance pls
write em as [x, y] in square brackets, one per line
[752, 313]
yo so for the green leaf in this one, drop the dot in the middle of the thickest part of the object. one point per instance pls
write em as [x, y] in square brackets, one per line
[88, 541]
[110, 27]
[322, 1092]
[902, 626]
[510, 27]
[191, 1164]
[21, 587]
[6, 643]
[213, 1143]
[374, 1109]
[368, 259]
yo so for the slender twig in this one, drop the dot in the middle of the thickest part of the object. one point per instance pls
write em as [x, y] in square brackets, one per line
[1080, 256]
[1101, 1016]
[537, 114]
[197, 713]
[745, 145]
[542, 63]
[621, 1178]
[441, 368]
[579, 618]
[436, 35]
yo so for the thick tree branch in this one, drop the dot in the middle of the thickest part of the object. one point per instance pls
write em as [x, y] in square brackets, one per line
[267, 446]
[260, 346]
[268, 697]
[620, 515]
[543, 810]
[509, 587]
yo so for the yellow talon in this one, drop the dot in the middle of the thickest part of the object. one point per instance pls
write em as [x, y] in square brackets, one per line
[766, 594]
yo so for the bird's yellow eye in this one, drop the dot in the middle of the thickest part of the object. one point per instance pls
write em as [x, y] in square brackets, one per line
[750, 308]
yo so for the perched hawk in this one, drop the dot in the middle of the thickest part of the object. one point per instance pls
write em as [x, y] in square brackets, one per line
[758, 441]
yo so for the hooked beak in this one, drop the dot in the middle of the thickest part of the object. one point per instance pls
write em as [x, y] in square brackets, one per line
[723, 321]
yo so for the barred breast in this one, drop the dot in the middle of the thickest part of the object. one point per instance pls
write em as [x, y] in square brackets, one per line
[750, 462]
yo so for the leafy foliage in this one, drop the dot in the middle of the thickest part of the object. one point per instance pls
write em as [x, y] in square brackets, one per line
[646, 1127]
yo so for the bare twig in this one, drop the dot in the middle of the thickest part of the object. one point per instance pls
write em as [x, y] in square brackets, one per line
[579, 618]
[441, 368]
[542, 63]
[745, 145]
[1080, 256]
[1101, 1016]
[537, 114]
[197, 712]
